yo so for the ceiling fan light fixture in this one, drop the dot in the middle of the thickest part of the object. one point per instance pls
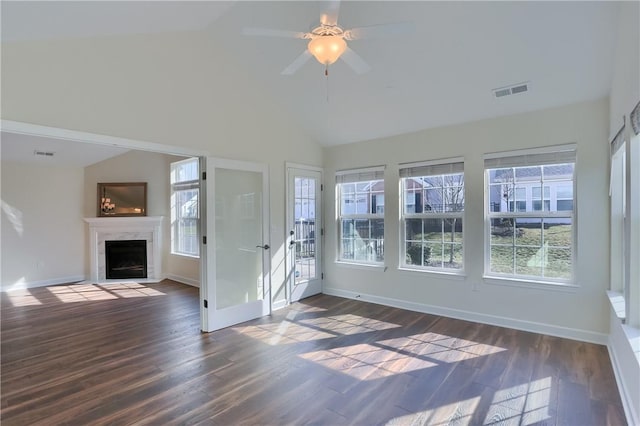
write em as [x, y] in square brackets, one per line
[327, 49]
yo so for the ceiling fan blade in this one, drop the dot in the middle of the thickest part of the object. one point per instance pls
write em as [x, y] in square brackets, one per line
[355, 61]
[329, 15]
[270, 32]
[376, 31]
[295, 65]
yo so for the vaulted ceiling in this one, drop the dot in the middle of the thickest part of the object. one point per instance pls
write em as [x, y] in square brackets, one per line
[443, 73]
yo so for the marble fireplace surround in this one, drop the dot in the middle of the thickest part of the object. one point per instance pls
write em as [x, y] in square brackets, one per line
[101, 229]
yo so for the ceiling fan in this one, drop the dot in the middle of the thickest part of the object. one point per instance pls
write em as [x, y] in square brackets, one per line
[328, 41]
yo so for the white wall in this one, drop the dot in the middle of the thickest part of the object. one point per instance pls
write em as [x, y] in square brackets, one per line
[42, 227]
[625, 85]
[581, 313]
[179, 89]
[133, 166]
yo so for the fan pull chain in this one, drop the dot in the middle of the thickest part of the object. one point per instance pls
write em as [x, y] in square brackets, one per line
[326, 74]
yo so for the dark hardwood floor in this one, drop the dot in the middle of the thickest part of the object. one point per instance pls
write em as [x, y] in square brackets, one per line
[133, 354]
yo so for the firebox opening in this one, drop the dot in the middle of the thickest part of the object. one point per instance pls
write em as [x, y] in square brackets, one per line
[126, 259]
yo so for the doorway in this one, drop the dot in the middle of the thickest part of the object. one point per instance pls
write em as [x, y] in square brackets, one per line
[304, 231]
[236, 284]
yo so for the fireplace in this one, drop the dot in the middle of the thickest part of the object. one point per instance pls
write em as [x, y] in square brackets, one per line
[145, 228]
[125, 259]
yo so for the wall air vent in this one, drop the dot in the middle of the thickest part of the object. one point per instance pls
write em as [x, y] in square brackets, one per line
[511, 90]
[44, 153]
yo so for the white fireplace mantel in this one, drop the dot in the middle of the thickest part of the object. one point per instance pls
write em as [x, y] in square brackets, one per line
[103, 229]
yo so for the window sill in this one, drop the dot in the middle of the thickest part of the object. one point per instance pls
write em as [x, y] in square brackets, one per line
[365, 266]
[458, 276]
[522, 283]
[188, 256]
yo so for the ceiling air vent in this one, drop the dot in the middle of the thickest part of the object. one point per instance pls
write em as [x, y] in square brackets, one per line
[511, 90]
[43, 153]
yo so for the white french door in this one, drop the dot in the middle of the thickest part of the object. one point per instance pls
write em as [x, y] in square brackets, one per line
[236, 257]
[304, 231]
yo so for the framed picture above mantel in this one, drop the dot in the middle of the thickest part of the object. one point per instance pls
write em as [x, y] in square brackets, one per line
[122, 199]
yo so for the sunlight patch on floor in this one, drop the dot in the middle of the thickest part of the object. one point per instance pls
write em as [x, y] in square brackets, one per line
[524, 404]
[22, 297]
[304, 308]
[367, 361]
[95, 292]
[283, 333]
[440, 347]
[459, 412]
[127, 290]
[348, 324]
[399, 355]
[291, 330]
[79, 293]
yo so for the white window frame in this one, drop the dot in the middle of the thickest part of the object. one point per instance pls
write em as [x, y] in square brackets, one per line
[175, 210]
[632, 229]
[625, 220]
[354, 176]
[432, 168]
[561, 154]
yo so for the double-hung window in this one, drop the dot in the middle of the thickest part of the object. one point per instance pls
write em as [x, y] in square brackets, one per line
[531, 214]
[617, 192]
[625, 215]
[361, 215]
[432, 215]
[185, 212]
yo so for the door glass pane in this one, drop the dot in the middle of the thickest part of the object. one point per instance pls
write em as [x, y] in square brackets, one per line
[238, 232]
[305, 228]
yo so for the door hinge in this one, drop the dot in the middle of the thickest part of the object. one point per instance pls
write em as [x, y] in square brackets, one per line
[206, 303]
[204, 239]
[321, 187]
[321, 231]
[204, 175]
[322, 276]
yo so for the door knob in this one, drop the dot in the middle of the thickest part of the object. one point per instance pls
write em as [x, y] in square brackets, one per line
[266, 247]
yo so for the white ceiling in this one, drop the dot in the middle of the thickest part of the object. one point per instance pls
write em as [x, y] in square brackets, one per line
[442, 74]
[40, 20]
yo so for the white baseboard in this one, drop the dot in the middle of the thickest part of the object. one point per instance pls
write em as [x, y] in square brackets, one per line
[44, 283]
[626, 366]
[535, 327]
[633, 417]
[183, 280]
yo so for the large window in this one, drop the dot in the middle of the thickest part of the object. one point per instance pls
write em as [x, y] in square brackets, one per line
[625, 218]
[530, 211]
[432, 213]
[617, 191]
[185, 212]
[361, 215]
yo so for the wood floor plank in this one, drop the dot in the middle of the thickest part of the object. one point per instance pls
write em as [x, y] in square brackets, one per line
[120, 354]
